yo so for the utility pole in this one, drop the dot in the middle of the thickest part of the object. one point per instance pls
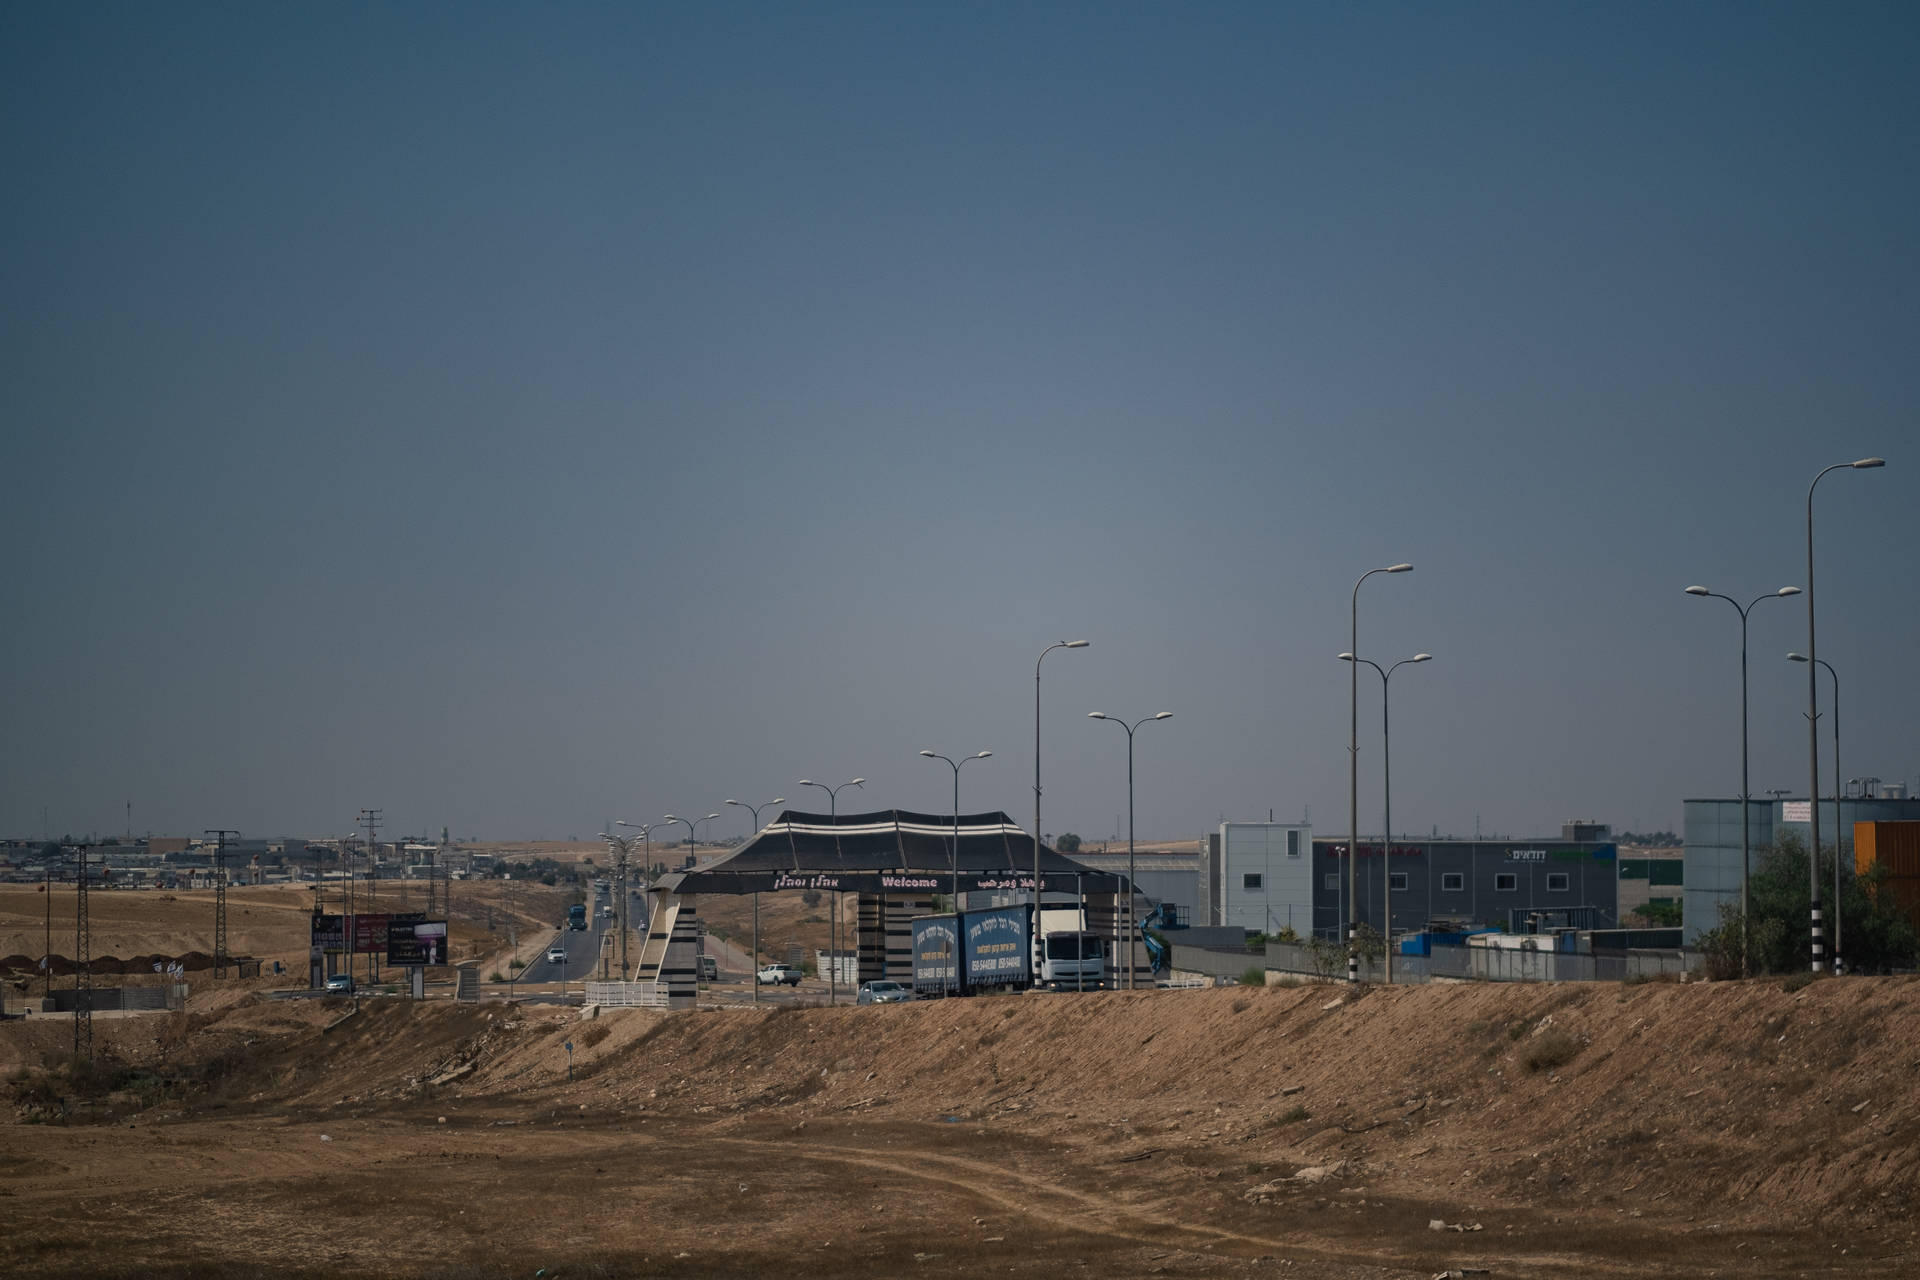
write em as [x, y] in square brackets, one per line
[46, 957]
[370, 818]
[83, 961]
[220, 835]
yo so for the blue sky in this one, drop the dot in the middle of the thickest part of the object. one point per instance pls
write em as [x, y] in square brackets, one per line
[521, 416]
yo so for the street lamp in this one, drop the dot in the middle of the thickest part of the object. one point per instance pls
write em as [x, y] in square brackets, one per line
[1813, 714]
[1061, 644]
[1746, 847]
[1838, 826]
[833, 903]
[691, 825]
[754, 809]
[1386, 769]
[1101, 715]
[622, 847]
[959, 965]
[1353, 775]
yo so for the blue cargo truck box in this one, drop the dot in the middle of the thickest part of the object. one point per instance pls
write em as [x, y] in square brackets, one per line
[935, 951]
[997, 950]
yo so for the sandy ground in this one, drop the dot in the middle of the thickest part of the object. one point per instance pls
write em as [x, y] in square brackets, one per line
[1585, 1130]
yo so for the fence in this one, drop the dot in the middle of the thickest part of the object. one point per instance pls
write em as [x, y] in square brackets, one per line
[1490, 964]
[631, 995]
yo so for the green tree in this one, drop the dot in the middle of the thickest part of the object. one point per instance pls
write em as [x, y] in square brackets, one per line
[1876, 935]
[1662, 914]
[1067, 843]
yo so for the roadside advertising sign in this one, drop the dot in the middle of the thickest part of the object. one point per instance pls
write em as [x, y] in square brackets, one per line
[416, 943]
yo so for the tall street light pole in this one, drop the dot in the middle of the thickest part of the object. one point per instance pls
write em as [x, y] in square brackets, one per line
[1101, 715]
[959, 961]
[754, 809]
[1386, 770]
[622, 848]
[833, 903]
[691, 824]
[1839, 827]
[1353, 777]
[1746, 844]
[1813, 716]
[1033, 962]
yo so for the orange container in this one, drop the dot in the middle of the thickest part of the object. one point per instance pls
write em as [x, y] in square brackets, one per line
[1895, 846]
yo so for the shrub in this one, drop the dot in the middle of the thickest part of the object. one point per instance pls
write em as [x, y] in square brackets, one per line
[1551, 1048]
[594, 1034]
[1294, 1116]
[1253, 976]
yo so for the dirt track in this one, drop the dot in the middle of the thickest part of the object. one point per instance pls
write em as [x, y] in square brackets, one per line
[1589, 1131]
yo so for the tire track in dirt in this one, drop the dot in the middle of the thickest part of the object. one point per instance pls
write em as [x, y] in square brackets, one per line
[1095, 1215]
[1081, 1212]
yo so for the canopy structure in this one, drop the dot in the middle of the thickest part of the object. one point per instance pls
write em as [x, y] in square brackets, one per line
[889, 852]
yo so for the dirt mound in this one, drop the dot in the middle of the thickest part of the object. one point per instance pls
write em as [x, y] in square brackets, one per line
[1583, 1128]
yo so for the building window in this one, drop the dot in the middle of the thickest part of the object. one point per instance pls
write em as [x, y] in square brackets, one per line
[1251, 880]
[1397, 881]
[1333, 882]
[1558, 882]
[1452, 881]
[1293, 843]
[1506, 882]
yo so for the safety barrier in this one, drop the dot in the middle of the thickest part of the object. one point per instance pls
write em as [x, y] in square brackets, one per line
[630, 995]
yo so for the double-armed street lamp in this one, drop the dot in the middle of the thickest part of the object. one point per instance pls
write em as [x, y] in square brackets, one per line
[1839, 827]
[1746, 848]
[691, 824]
[1813, 715]
[1101, 715]
[959, 963]
[833, 902]
[1059, 644]
[1353, 776]
[1386, 770]
[754, 809]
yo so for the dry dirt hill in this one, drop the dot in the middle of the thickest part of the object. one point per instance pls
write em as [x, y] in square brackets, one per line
[1578, 1130]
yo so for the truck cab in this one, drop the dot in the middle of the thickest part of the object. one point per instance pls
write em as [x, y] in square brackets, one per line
[1073, 960]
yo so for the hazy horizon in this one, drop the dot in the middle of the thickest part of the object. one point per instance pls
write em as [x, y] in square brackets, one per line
[518, 417]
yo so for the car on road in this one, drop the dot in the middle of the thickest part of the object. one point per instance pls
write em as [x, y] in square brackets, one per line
[340, 984]
[556, 955]
[883, 991]
[775, 974]
[709, 969]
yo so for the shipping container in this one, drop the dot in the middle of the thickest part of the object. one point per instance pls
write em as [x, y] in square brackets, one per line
[1894, 846]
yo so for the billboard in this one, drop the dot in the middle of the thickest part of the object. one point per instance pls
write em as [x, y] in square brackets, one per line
[369, 930]
[416, 942]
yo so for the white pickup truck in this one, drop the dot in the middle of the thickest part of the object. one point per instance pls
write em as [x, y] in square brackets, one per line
[775, 974]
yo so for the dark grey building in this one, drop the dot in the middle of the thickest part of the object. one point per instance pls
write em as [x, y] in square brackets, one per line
[1514, 885]
[1273, 876]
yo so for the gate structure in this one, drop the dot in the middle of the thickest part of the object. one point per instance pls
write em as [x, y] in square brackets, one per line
[893, 859]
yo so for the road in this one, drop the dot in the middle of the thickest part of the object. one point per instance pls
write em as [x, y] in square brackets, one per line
[583, 947]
